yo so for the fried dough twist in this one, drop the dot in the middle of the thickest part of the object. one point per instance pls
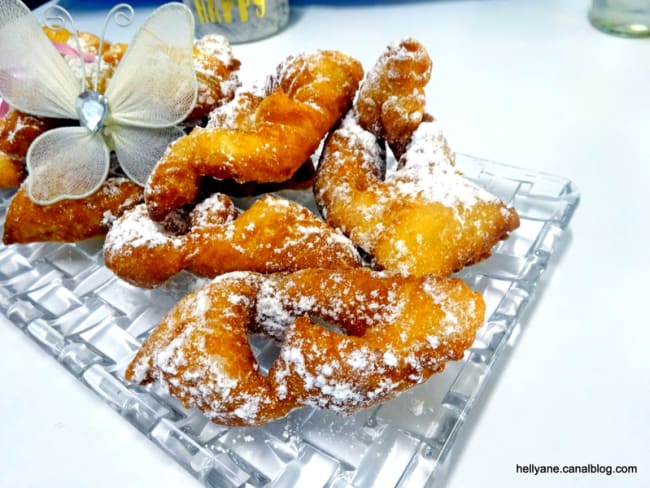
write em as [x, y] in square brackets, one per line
[424, 218]
[216, 74]
[395, 332]
[391, 100]
[272, 235]
[269, 141]
[69, 220]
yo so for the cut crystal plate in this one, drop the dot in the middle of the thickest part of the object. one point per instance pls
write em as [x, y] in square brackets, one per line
[63, 297]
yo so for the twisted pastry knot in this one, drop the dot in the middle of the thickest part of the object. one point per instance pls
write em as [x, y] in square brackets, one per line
[391, 100]
[272, 235]
[386, 333]
[69, 220]
[420, 216]
[259, 137]
[216, 74]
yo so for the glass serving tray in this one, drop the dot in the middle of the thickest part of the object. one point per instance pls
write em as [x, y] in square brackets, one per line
[63, 297]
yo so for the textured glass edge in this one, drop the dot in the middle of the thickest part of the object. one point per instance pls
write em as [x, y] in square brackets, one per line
[472, 373]
[206, 455]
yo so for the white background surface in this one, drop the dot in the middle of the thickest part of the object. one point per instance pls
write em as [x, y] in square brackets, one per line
[524, 82]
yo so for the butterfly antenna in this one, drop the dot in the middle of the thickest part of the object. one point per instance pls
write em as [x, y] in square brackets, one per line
[122, 14]
[56, 18]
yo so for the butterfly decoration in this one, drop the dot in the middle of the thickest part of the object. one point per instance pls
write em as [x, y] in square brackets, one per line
[153, 89]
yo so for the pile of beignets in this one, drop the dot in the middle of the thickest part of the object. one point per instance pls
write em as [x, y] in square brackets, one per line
[359, 296]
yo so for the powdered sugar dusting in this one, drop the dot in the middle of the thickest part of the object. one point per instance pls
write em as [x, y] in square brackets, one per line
[217, 209]
[351, 130]
[194, 370]
[200, 363]
[237, 113]
[427, 171]
[216, 72]
[217, 46]
[135, 229]
[422, 216]
[20, 125]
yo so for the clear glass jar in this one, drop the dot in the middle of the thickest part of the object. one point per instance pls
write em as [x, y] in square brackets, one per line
[239, 20]
[629, 18]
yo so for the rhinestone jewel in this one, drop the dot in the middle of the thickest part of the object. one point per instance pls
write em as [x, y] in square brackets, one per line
[92, 109]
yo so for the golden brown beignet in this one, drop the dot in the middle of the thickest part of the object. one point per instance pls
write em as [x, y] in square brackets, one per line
[272, 235]
[391, 101]
[405, 329]
[423, 218]
[264, 138]
[69, 220]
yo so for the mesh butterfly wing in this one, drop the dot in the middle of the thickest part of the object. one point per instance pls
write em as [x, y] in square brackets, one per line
[67, 162]
[33, 76]
[153, 89]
